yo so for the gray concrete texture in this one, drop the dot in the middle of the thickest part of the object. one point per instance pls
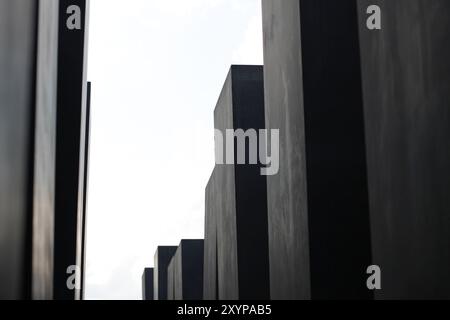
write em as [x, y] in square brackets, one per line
[170, 280]
[210, 280]
[163, 256]
[45, 147]
[175, 277]
[318, 203]
[17, 100]
[238, 201]
[406, 85]
[185, 272]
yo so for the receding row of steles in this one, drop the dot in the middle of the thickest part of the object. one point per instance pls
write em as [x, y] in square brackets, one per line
[358, 206]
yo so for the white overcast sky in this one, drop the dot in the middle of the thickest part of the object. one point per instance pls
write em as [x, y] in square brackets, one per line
[157, 68]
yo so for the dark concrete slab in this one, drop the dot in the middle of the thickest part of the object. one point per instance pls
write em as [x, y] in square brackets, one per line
[318, 203]
[70, 148]
[406, 81]
[192, 252]
[210, 277]
[185, 272]
[17, 108]
[239, 201]
[147, 284]
[163, 256]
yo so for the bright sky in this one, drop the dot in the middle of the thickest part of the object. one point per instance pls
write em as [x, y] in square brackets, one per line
[157, 68]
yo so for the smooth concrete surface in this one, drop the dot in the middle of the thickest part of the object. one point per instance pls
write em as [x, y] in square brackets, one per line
[406, 81]
[147, 284]
[17, 108]
[70, 151]
[171, 280]
[163, 256]
[239, 202]
[318, 203]
[185, 272]
[224, 206]
[175, 277]
[45, 146]
[210, 280]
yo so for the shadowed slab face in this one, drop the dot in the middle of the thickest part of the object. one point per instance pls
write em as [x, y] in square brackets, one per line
[147, 284]
[239, 198]
[406, 81]
[163, 256]
[318, 203]
[185, 274]
[70, 146]
[192, 252]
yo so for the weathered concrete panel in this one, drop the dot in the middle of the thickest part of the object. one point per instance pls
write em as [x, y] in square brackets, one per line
[318, 203]
[240, 198]
[406, 81]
